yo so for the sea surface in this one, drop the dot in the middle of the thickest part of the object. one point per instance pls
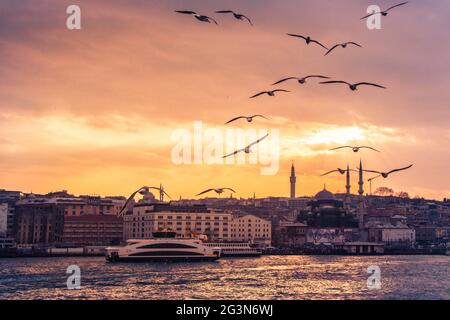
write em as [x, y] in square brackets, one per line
[268, 277]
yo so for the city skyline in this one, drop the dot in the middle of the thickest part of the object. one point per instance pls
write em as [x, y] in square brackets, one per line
[92, 110]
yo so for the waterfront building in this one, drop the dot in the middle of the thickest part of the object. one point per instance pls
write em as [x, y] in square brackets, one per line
[250, 228]
[39, 223]
[150, 215]
[92, 230]
[390, 234]
[290, 235]
[89, 205]
[84, 220]
[432, 234]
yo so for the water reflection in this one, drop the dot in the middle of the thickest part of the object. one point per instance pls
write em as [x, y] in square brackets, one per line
[269, 277]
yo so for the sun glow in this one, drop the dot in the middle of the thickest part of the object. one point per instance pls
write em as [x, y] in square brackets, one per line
[336, 135]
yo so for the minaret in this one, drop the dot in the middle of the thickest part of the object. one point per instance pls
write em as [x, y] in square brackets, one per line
[161, 193]
[347, 187]
[361, 179]
[293, 180]
[361, 209]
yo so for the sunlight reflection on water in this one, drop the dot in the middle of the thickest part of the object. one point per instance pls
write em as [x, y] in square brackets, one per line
[269, 277]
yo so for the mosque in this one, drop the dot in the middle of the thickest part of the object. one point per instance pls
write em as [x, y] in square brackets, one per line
[325, 211]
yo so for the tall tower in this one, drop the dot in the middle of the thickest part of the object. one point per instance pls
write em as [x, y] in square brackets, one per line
[347, 187]
[361, 179]
[293, 180]
[361, 207]
[161, 193]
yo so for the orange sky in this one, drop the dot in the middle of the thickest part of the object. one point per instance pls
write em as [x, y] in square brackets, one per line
[92, 111]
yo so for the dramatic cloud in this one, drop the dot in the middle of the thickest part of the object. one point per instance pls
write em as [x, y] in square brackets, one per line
[93, 110]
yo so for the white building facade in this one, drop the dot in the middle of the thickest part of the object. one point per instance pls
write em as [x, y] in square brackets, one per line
[190, 220]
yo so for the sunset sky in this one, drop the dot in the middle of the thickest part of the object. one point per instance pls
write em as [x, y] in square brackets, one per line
[93, 110]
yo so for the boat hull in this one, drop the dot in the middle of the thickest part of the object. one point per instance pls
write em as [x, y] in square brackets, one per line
[243, 255]
[162, 259]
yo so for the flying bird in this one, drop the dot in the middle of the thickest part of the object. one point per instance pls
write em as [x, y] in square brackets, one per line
[238, 16]
[355, 149]
[385, 12]
[270, 93]
[300, 80]
[249, 118]
[308, 39]
[199, 17]
[386, 174]
[219, 191]
[355, 86]
[143, 191]
[341, 171]
[247, 148]
[343, 45]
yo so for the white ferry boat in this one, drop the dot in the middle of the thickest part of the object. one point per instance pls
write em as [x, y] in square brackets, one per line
[235, 249]
[163, 247]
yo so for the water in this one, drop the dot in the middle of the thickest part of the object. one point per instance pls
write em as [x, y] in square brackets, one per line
[268, 277]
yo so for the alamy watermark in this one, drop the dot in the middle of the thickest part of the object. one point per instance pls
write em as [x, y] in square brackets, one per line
[73, 21]
[215, 146]
[373, 22]
[374, 280]
[74, 280]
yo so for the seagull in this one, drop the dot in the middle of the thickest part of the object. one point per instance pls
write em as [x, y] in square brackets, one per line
[355, 86]
[301, 80]
[385, 12]
[307, 39]
[343, 45]
[386, 174]
[143, 191]
[219, 191]
[270, 93]
[236, 15]
[341, 171]
[355, 149]
[249, 118]
[199, 17]
[247, 148]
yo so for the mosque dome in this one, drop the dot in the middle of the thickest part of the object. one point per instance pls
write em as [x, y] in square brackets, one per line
[148, 196]
[324, 195]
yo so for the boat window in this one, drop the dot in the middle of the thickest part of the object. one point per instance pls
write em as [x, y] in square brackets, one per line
[166, 245]
[165, 253]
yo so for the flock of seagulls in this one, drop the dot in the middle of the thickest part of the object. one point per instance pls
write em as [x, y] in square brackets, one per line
[379, 173]
[301, 80]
